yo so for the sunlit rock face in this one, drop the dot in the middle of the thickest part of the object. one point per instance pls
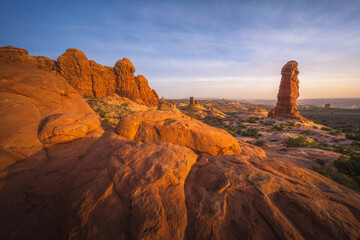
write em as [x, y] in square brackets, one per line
[87, 76]
[159, 126]
[286, 106]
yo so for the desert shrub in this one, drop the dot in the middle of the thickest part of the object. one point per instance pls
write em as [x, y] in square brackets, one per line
[230, 129]
[349, 166]
[315, 127]
[324, 121]
[260, 142]
[300, 141]
[241, 125]
[271, 123]
[107, 121]
[101, 112]
[334, 174]
[250, 132]
[291, 124]
[253, 119]
[320, 161]
[279, 127]
[326, 129]
[353, 136]
[88, 96]
[336, 133]
[324, 173]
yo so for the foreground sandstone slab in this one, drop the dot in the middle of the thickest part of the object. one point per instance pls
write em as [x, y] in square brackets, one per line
[159, 126]
[242, 197]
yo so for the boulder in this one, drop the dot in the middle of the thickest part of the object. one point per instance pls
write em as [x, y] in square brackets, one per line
[29, 96]
[130, 190]
[66, 127]
[159, 126]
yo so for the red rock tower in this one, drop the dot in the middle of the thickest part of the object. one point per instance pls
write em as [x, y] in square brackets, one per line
[286, 106]
[192, 102]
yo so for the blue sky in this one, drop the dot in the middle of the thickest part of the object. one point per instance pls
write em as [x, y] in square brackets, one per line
[225, 49]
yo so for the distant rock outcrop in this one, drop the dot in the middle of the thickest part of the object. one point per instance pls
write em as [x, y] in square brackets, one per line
[286, 106]
[328, 106]
[88, 77]
[169, 107]
[192, 102]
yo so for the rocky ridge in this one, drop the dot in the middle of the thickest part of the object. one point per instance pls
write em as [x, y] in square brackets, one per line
[86, 76]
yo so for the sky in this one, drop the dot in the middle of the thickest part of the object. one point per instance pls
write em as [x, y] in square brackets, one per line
[216, 49]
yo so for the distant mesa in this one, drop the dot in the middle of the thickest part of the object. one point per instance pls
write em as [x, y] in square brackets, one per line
[87, 76]
[286, 106]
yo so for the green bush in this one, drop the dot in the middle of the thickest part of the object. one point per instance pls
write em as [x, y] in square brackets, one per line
[107, 121]
[324, 173]
[291, 124]
[101, 112]
[353, 136]
[279, 127]
[349, 166]
[260, 142]
[88, 96]
[250, 132]
[271, 123]
[300, 141]
[230, 129]
[253, 119]
[241, 125]
[326, 129]
[320, 161]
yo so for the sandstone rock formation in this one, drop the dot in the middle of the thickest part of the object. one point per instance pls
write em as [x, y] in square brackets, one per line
[286, 106]
[63, 177]
[328, 106]
[192, 102]
[169, 107]
[158, 126]
[258, 110]
[28, 97]
[88, 77]
[240, 197]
